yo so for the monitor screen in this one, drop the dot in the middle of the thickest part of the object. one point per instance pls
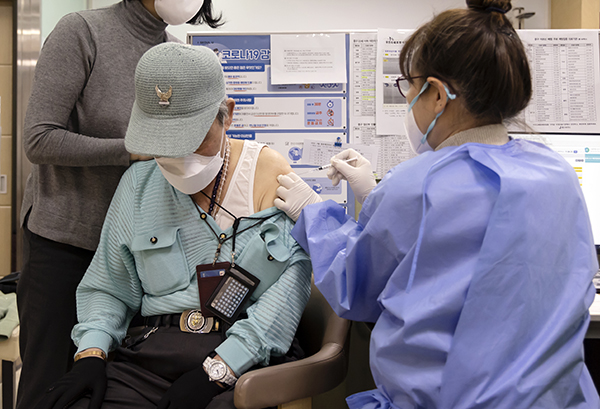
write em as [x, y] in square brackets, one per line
[583, 153]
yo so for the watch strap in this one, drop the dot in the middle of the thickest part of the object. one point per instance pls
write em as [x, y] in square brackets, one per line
[228, 379]
[90, 352]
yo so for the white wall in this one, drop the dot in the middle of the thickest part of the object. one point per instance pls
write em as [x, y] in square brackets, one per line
[314, 15]
[52, 11]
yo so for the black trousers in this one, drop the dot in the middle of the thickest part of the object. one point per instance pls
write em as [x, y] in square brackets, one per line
[143, 369]
[141, 372]
[46, 302]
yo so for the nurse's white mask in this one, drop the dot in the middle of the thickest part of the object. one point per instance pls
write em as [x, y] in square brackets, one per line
[175, 12]
[192, 173]
[416, 138]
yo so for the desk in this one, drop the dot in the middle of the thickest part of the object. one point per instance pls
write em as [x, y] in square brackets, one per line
[594, 328]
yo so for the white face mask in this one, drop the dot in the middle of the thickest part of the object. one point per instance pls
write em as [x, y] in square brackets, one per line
[192, 173]
[175, 12]
[416, 138]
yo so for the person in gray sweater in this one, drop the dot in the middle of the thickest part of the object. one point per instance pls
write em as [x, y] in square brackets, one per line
[75, 125]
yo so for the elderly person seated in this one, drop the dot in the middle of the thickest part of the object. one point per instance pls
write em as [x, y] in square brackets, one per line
[182, 231]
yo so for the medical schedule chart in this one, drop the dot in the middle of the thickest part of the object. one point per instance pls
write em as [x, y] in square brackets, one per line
[282, 116]
[565, 72]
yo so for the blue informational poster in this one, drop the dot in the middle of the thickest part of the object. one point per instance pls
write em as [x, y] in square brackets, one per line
[282, 116]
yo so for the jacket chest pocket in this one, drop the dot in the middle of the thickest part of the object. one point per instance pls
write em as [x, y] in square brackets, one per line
[161, 263]
[266, 257]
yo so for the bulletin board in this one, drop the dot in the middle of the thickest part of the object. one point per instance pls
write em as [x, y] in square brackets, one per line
[307, 121]
[306, 116]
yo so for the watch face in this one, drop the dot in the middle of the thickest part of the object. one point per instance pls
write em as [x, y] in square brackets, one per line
[218, 370]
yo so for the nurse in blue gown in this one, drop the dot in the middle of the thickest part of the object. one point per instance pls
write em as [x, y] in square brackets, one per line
[475, 259]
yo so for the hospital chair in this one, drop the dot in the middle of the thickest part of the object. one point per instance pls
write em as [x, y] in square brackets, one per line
[324, 337]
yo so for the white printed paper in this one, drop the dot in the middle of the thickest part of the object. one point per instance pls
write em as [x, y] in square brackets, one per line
[308, 58]
[393, 149]
[319, 153]
[565, 73]
[363, 57]
[391, 105]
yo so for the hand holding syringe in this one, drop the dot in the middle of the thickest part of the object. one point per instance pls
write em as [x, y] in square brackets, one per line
[294, 193]
[322, 167]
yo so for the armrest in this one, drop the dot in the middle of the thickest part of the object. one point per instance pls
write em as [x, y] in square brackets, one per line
[287, 382]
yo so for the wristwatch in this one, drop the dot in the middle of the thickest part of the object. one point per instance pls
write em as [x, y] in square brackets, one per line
[218, 371]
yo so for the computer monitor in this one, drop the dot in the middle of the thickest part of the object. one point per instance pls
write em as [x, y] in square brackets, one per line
[583, 153]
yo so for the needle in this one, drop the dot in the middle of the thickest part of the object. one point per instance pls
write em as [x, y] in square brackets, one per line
[323, 167]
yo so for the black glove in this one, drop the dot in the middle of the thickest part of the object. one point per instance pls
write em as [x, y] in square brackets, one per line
[192, 390]
[87, 375]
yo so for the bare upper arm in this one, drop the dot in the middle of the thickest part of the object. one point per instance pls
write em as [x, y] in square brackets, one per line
[270, 165]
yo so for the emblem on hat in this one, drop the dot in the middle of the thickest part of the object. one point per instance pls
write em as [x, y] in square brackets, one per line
[164, 96]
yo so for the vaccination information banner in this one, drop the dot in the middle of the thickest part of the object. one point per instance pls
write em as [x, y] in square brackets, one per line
[282, 115]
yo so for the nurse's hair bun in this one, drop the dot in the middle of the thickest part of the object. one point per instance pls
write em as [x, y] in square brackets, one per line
[490, 6]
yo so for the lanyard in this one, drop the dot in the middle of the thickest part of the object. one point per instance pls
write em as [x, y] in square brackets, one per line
[222, 238]
[213, 199]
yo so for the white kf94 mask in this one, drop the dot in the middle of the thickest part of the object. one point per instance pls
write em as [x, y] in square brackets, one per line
[175, 12]
[192, 173]
[416, 138]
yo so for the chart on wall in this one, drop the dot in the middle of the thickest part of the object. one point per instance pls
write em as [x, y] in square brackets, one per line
[377, 108]
[565, 74]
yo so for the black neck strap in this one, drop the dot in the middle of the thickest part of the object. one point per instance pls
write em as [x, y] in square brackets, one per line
[222, 238]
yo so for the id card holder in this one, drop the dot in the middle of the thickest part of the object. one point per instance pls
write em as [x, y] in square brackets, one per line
[209, 277]
[236, 286]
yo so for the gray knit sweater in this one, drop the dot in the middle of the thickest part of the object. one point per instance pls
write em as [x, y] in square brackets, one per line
[77, 116]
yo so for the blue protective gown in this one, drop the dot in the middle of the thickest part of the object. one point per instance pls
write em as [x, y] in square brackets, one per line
[476, 264]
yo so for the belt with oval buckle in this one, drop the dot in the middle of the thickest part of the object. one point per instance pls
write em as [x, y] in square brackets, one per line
[193, 321]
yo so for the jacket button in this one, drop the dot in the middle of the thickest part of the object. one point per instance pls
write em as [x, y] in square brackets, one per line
[203, 216]
[153, 240]
[270, 258]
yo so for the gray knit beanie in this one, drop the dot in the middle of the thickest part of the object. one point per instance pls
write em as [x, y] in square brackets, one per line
[178, 90]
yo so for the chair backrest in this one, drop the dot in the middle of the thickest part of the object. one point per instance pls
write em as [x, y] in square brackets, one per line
[320, 325]
[324, 338]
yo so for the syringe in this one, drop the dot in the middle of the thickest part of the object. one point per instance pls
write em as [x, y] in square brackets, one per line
[323, 167]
